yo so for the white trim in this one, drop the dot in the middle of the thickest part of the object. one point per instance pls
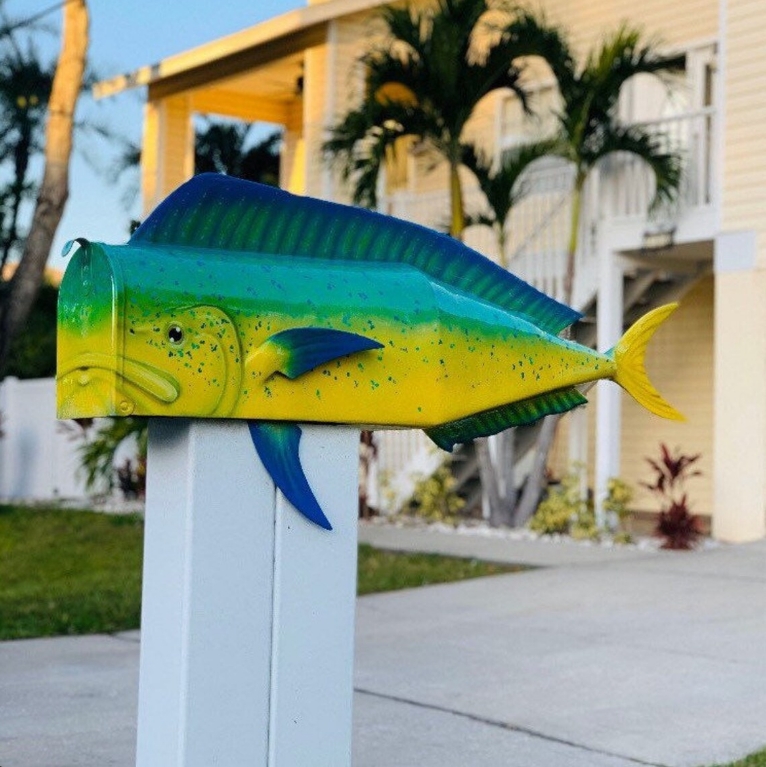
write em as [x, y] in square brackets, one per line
[263, 34]
[735, 251]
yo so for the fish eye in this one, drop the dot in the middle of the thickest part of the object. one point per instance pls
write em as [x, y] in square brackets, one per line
[175, 334]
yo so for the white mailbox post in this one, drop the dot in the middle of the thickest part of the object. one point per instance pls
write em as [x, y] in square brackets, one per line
[247, 626]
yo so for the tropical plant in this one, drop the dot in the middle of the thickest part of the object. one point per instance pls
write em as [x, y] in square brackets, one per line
[565, 510]
[25, 88]
[503, 185]
[97, 455]
[679, 528]
[424, 81]
[619, 495]
[222, 147]
[588, 130]
[434, 497]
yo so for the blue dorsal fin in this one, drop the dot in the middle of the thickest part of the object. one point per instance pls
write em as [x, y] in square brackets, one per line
[224, 213]
[295, 351]
[494, 421]
[277, 446]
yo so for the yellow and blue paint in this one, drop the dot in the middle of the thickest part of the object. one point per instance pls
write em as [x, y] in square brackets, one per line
[235, 300]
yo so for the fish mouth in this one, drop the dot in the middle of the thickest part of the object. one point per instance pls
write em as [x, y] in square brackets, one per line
[83, 371]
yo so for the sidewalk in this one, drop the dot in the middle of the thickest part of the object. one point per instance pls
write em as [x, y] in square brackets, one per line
[609, 658]
[506, 546]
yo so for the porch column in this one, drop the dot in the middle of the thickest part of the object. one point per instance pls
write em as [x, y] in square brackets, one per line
[739, 393]
[609, 320]
[167, 155]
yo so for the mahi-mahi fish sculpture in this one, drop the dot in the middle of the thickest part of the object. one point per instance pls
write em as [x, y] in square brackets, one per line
[237, 300]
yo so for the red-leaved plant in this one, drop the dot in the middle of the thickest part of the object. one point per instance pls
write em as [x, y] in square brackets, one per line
[676, 524]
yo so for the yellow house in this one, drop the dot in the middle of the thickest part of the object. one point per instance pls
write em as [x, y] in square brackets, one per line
[709, 249]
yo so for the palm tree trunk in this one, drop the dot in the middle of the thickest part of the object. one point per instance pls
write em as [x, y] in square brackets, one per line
[502, 244]
[457, 217]
[54, 190]
[574, 236]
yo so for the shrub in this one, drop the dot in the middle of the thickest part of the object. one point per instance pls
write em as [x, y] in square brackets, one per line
[565, 511]
[434, 497]
[619, 495]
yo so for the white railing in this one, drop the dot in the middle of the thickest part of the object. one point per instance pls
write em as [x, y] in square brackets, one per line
[630, 183]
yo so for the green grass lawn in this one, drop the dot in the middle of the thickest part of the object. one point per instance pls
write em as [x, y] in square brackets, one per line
[79, 572]
[388, 570]
[758, 759]
[68, 572]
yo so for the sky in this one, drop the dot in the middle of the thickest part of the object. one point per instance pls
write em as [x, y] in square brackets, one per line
[125, 36]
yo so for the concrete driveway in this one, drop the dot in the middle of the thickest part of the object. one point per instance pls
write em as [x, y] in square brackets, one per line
[599, 660]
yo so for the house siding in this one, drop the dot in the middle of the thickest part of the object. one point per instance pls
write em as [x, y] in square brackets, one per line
[674, 24]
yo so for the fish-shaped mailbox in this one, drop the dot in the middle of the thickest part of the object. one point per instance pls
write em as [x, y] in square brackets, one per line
[236, 300]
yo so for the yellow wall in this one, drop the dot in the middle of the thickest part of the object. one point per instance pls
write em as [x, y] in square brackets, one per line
[167, 150]
[680, 364]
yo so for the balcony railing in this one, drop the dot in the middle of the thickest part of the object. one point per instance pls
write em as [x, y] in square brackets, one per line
[621, 190]
[630, 183]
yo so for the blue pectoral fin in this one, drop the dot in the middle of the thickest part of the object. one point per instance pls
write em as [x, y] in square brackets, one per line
[277, 446]
[303, 349]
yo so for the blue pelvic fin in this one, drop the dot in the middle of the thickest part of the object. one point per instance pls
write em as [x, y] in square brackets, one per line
[277, 446]
[296, 351]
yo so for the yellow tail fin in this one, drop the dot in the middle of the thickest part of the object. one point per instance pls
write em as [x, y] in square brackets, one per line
[629, 359]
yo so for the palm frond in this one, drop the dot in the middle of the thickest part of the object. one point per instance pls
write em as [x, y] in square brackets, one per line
[621, 56]
[665, 163]
[504, 186]
[533, 35]
[424, 81]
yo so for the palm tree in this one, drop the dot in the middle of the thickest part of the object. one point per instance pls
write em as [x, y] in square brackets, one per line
[17, 298]
[588, 130]
[25, 87]
[503, 187]
[424, 82]
[588, 127]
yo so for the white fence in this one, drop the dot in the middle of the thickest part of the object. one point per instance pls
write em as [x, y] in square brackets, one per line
[38, 456]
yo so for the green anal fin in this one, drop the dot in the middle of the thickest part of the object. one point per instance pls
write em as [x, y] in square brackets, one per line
[494, 421]
[296, 351]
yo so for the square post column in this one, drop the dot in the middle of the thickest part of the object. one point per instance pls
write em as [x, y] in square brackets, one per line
[247, 623]
[167, 154]
[739, 394]
[608, 405]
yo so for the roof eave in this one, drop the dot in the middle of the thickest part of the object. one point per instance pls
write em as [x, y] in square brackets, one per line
[254, 46]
